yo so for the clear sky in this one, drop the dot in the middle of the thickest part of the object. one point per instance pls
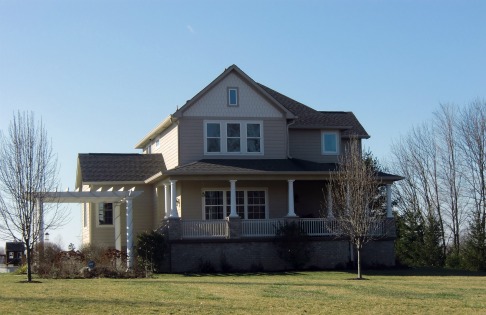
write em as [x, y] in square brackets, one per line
[102, 74]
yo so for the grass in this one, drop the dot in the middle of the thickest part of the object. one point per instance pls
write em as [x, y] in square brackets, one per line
[388, 292]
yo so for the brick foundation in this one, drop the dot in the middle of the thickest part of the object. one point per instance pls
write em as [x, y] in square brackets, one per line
[262, 255]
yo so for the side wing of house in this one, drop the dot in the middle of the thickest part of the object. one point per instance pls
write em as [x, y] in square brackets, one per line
[99, 173]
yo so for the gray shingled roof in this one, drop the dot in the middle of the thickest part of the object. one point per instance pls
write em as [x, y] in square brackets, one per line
[311, 118]
[250, 166]
[113, 167]
[260, 167]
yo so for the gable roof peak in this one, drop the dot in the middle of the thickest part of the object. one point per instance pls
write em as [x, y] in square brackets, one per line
[234, 68]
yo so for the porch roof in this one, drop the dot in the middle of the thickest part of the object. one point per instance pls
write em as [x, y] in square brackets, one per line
[261, 167]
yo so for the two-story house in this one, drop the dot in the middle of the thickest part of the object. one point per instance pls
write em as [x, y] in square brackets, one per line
[220, 174]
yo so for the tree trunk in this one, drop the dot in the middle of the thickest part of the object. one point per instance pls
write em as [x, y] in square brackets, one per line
[29, 262]
[358, 252]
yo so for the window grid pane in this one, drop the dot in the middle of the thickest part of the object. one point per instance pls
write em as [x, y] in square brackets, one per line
[253, 138]
[233, 138]
[256, 204]
[213, 141]
[213, 205]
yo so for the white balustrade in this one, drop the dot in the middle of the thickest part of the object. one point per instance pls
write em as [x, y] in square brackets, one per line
[267, 228]
[260, 228]
[204, 228]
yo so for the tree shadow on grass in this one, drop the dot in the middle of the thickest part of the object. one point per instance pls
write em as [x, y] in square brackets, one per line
[423, 271]
[242, 274]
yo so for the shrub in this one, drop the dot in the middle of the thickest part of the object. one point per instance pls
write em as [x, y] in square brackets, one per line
[292, 244]
[52, 262]
[151, 249]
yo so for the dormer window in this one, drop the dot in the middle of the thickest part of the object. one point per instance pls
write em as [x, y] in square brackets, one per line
[330, 143]
[232, 96]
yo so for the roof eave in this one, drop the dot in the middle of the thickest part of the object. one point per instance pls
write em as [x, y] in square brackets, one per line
[166, 123]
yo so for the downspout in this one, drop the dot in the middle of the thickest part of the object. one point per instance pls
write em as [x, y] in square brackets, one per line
[288, 139]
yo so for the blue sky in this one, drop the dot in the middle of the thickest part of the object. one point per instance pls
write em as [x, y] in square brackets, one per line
[101, 74]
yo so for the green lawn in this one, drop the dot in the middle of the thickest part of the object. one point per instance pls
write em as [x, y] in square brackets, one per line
[403, 292]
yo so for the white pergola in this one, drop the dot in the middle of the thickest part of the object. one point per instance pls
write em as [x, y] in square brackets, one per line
[98, 196]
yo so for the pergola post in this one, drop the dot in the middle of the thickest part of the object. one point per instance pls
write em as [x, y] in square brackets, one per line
[129, 234]
[118, 244]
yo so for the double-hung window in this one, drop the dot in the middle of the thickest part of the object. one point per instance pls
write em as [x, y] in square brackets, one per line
[105, 213]
[330, 142]
[233, 137]
[213, 137]
[250, 204]
[253, 138]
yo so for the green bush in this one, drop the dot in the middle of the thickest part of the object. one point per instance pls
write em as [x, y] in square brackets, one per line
[151, 250]
[292, 244]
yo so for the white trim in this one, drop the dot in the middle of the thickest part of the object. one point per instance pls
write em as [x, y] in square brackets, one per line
[338, 142]
[223, 125]
[226, 205]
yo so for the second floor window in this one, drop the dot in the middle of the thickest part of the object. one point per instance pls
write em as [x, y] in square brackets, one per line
[330, 143]
[233, 137]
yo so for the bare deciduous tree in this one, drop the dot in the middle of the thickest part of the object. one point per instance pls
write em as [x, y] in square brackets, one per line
[357, 210]
[28, 170]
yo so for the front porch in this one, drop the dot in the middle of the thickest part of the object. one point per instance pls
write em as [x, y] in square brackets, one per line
[235, 228]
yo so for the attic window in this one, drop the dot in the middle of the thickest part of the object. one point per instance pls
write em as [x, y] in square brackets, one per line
[232, 96]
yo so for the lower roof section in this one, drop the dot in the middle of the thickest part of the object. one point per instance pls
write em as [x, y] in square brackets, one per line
[212, 167]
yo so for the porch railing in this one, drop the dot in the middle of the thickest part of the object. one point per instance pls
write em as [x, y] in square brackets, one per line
[204, 228]
[260, 228]
[319, 227]
[192, 229]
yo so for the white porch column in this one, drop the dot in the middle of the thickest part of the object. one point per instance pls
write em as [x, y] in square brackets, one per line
[233, 213]
[129, 234]
[173, 200]
[389, 213]
[40, 213]
[330, 215]
[118, 244]
[167, 200]
[291, 212]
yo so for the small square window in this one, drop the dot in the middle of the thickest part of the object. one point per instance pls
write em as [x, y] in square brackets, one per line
[232, 97]
[330, 143]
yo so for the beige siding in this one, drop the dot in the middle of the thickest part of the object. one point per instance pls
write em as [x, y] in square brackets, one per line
[192, 202]
[168, 146]
[305, 144]
[250, 102]
[159, 206]
[192, 141]
[143, 219]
